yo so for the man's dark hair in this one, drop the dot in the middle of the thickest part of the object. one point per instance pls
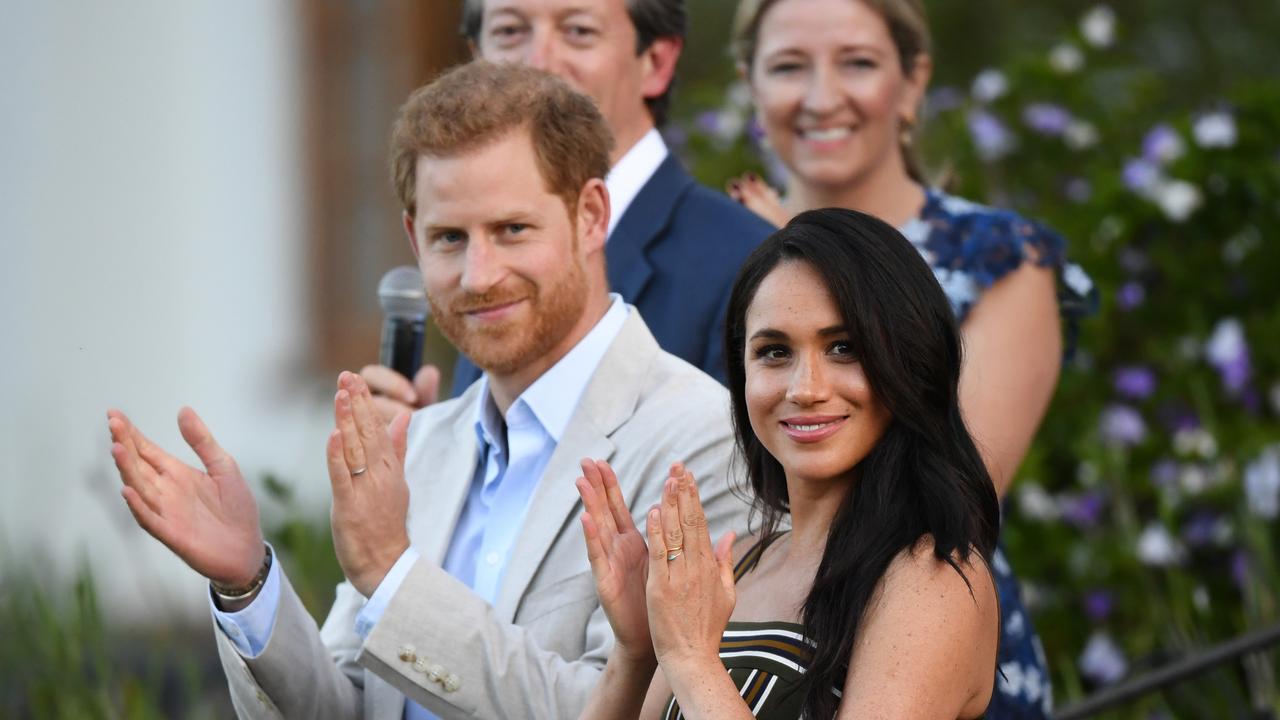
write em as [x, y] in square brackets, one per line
[652, 19]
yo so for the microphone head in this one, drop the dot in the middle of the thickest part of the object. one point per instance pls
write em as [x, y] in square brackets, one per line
[400, 293]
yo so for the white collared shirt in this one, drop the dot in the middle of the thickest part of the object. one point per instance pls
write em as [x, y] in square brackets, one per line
[631, 173]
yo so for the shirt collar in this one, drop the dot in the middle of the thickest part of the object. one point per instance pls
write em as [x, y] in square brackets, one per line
[631, 173]
[553, 397]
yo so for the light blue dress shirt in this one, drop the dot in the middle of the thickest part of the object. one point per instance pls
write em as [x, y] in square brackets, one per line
[513, 453]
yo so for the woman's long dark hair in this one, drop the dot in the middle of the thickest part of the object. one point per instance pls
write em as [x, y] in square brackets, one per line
[923, 477]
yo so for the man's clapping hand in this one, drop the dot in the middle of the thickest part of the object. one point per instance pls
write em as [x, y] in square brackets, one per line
[370, 497]
[209, 518]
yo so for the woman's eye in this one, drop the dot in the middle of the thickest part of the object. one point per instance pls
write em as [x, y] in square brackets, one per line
[861, 63]
[785, 68]
[842, 349]
[772, 353]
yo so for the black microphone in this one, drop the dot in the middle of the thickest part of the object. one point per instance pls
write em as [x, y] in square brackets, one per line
[404, 306]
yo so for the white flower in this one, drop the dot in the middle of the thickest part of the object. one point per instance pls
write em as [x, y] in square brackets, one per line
[989, 85]
[1102, 660]
[1194, 479]
[740, 95]
[1262, 484]
[1158, 548]
[1226, 343]
[1066, 58]
[1077, 279]
[1196, 441]
[1215, 130]
[1098, 26]
[1177, 199]
[1080, 134]
[1035, 503]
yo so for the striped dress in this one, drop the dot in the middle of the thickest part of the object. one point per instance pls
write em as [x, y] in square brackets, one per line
[767, 660]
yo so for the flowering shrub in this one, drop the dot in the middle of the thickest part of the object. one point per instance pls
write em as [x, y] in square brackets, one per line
[1144, 520]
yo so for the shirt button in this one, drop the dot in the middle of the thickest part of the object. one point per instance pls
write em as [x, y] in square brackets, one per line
[434, 672]
[407, 653]
[422, 666]
[451, 683]
[491, 558]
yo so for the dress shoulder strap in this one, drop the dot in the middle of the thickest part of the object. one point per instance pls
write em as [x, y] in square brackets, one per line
[749, 560]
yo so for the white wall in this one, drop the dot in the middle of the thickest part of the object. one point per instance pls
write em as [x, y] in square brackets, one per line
[150, 215]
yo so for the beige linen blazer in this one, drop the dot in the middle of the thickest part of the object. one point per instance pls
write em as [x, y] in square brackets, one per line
[539, 650]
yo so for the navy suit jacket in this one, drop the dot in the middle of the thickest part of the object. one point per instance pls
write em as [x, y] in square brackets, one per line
[674, 255]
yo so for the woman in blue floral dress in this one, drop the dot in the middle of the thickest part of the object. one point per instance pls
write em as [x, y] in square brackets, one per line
[837, 86]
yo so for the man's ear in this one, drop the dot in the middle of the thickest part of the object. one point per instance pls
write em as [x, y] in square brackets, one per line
[660, 60]
[593, 215]
[408, 231]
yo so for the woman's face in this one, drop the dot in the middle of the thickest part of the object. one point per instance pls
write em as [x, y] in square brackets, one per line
[830, 91]
[808, 400]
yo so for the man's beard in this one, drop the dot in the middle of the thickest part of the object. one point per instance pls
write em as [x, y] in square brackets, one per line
[503, 348]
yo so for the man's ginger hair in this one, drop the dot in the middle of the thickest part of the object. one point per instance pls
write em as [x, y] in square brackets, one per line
[478, 103]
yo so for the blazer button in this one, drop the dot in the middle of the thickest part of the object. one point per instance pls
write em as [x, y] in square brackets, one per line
[434, 672]
[407, 653]
[422, 666]
[451, 683]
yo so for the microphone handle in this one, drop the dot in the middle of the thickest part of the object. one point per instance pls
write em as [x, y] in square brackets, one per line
[402, 340]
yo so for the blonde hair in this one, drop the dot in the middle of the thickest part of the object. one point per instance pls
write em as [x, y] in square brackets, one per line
[477, 103]
[908, 28]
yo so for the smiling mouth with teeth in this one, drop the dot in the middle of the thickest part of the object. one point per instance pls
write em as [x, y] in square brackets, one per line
[827, 135]
[810, 428]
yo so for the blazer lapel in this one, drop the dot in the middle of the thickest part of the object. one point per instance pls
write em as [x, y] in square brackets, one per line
[644, 221]
[609, 400]
[440, 477]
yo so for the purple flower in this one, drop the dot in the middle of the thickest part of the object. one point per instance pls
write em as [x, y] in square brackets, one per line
[1098, 604]
[942, 99]
[1162, 145]
[1203, 528]
[1079, 190]
[1130, 295]
[709, 122]
[1121, 425]
[1240, 568]
[1102, 660]
[1262, 484]
[1134, 382]
[1084, 510]
[1228, 353]
[992, 139]
[1140, 175]
[1046, 118]
[1164, 473]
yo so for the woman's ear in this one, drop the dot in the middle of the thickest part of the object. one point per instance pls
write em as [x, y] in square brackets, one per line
[917, 83]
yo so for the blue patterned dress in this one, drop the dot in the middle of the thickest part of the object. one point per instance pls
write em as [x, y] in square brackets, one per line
[970, 247]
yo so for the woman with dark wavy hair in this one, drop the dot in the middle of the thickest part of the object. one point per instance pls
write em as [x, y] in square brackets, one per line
[844, 363]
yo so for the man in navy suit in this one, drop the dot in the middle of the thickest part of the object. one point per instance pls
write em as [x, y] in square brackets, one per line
[674, 246]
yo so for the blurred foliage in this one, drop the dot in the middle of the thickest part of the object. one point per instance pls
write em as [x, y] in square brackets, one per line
[60, 659]
[1144, 521]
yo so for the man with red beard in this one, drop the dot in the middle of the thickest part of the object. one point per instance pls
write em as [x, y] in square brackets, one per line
[468, 591]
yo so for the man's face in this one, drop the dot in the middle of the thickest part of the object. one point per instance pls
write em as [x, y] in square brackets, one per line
[501, 260]
[589, 43]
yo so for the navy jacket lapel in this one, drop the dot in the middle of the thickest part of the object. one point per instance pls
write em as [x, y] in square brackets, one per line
[643, 222]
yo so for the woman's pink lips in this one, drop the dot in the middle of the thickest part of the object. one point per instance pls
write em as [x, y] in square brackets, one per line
[829, 425]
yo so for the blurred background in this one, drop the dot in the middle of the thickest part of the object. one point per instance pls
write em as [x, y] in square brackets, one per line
[194, 210]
